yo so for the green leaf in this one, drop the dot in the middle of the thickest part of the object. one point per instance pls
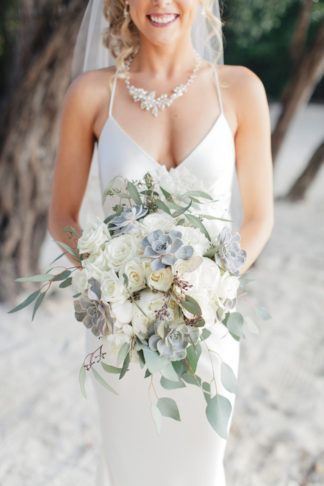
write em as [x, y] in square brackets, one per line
[181, 210]
[133, 192]
[153, 360]
[41, 277]
[205, 333]
[170, 384]
[122, 352]
[68, 249]
[251, 325]
[25, 302]
[169, 372]
[157, 417]
[191, 379]
[110, 368]
[72, 230]
[38, 302]
[125, 365]
[61, 276]
[66, 283]
[218, 411]
[147, 373]
[102, 382]
[161, 205]
[191, 305]
[168, 408]
[234, 324]
[228, 378]
[166, 194]
[193, 357]
[194, 221]
[179, 367]
[57, 258]
[82, 380]
[198, 194]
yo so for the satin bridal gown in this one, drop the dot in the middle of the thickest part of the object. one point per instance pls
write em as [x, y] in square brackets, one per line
[186, 452]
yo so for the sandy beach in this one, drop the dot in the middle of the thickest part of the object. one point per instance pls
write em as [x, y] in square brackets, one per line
[49, 431]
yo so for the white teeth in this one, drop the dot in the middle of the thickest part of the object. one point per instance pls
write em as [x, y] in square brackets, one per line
[163, 20]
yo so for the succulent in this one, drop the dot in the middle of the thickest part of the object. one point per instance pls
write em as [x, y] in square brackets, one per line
[171, 340]
[229, 253]
[93, 312]
[165, 248]
[124, 222]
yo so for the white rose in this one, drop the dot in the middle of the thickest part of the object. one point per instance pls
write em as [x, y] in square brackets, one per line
[144, 310]
[135, 274]
[120, 250]
[112, 289]
[122, 311]
[96, 266]
[195, 238]
[79, 281]
[112, 344]
[206, 276]
[161, 221]
[160, 279]
[93, 237]
[228, 286]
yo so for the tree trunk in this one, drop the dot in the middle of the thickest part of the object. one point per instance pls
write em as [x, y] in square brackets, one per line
[300, 33]
[300, 88]
[303, 182]
[30, 130]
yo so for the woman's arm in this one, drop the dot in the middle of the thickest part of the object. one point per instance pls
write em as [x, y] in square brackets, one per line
[253, 163]
[73, 158]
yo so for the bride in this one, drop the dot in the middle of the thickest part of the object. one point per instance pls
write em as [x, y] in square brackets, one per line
[216, 122]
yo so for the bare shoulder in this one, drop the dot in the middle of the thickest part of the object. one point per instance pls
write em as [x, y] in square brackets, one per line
[244, 90]
[86, 92]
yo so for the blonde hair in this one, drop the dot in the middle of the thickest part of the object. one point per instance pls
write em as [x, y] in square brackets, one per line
[122, 36]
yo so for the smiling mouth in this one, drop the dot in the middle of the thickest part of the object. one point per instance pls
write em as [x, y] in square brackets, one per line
[162, 20]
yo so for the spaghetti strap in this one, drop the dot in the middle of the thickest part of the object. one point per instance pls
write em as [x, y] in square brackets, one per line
[218, 88]
[111, 101]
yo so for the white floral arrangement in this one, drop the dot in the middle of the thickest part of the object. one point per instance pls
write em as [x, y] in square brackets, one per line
[153, 278]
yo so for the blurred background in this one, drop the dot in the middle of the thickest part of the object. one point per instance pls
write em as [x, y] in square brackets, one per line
[48, 430]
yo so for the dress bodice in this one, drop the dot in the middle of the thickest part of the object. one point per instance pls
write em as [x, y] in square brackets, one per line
[212, 160]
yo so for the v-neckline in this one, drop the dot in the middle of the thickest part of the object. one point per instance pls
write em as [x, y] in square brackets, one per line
[149, 156]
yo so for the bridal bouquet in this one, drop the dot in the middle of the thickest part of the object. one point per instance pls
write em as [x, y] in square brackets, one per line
[153, 278]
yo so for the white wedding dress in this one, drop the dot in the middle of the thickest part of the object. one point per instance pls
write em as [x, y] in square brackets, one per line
[186, 452]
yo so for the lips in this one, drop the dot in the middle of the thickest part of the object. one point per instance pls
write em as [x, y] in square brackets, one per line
[161, 20]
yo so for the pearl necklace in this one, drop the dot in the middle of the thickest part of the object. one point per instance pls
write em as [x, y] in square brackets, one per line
[147, 99]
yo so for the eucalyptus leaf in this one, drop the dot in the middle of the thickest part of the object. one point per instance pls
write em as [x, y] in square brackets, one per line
[133, 192]
[66, 283]
[82, 380]
[194, 221]
[218, 411]
[125, 365]
[122, 352]
[61, 276]
[181, 210]
[168, 408]
[170, 384]
[191, 305]
[147, 373]
[153, 360]
[57, 258]
[169, 372]
[110, 368]
[251, 325]
[25, 302]
[234, 323]
[41, 277]
[157, 417]
[166, 194]
[103, 382]
[38, 302]
[192, 356]
[68, 249]
[201, 194]
[161, 205]
[205, 333]
[228, 378]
